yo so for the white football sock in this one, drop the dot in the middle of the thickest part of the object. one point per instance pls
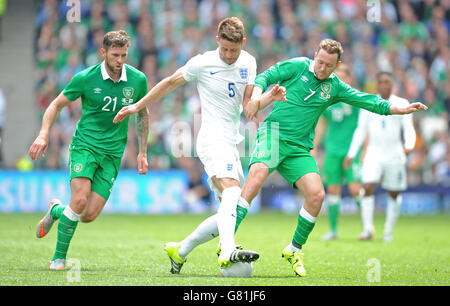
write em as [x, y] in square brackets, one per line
[293, 248]
[226, 218]
[204, 232]
[367, 208]
[392, 213]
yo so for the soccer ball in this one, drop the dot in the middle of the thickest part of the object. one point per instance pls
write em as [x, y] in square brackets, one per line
[238, 269]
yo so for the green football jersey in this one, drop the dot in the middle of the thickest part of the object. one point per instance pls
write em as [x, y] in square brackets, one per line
[307, 97]
[342, 120]
[101, 100]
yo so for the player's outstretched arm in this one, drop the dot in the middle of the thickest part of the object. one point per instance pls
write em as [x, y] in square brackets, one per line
[260, 101]
[276, 93]
[411, 108]
[40, 144]
[158, 92]
[142, 124]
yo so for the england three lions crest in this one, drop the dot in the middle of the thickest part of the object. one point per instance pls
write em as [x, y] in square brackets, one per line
[243, 73]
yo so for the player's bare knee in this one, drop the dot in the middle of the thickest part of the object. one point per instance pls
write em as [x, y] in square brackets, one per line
[316, 198]
[79, 203]
[393, 194]
[369, 189]
[259, 175]
[354, 190]
[253, 186]
[320, 196]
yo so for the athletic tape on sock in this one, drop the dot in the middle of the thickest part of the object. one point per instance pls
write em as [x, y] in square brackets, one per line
[68, 212]
[307, 215]
[243, 203]
[333, 199]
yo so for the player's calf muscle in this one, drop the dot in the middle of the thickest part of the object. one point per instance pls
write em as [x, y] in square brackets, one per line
[255, 180]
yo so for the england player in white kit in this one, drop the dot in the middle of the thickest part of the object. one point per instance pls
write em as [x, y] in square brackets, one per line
[224, 79]
[221, 88]
[391, 138]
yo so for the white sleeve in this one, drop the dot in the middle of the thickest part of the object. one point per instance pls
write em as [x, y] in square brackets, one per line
[252, 72]
[191, 69]
[409, 133]
[360, 133]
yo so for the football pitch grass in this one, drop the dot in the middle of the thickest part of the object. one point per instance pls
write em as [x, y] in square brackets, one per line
[128, 250]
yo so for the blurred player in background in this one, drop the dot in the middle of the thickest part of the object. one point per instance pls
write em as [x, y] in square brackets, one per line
[385, 158]
[284, 140]
[224, 79]
[338, 122]
[97, 146]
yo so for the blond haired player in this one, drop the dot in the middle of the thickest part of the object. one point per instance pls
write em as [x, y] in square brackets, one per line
[284, 140]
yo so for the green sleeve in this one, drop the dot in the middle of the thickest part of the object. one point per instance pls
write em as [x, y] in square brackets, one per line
[277, 73]
[370, 102]
[75, 88]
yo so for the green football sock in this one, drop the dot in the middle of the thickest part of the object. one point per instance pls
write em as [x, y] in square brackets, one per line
[66, 229]
[304, 228]
[333, 214]
[241, 212]
[57, 211]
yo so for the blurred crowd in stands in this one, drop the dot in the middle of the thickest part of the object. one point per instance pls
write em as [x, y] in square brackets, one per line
[409, 38]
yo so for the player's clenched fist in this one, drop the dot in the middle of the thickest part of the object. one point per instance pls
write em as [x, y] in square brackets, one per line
[251, 109]
[142, 163]
[124, 112]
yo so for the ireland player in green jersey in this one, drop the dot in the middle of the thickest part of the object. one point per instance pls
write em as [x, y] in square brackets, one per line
[97, 145]
[338, 123]
[285, 138]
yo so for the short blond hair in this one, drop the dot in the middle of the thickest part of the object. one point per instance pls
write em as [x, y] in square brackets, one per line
[331, 46]
[116, 39]
[231, 29]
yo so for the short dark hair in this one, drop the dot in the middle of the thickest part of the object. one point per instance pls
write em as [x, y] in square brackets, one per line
[231, 29]
[386, 73]
[116, 39]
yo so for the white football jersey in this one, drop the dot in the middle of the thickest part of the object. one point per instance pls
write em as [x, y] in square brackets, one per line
[221, 90]
[385, 133]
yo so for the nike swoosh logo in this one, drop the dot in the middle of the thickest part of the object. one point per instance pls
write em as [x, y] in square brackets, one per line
[211, 73]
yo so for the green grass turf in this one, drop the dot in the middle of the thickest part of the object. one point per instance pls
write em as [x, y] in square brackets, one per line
[128, 250]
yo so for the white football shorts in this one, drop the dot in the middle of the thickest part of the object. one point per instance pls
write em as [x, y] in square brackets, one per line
[220, 159]
[390, 172]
